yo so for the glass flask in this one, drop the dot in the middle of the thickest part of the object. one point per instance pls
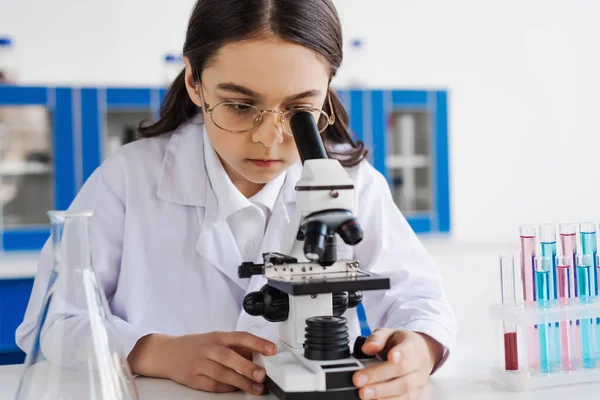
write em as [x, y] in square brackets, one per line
[75, 354]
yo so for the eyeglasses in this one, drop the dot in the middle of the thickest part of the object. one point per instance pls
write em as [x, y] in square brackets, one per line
[238, 117]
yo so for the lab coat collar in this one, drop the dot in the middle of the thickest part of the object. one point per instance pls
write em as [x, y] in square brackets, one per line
[229, 198]
[183, 179]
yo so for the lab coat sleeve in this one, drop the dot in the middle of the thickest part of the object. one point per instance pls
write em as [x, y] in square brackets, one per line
[416, 300]
[104, 193]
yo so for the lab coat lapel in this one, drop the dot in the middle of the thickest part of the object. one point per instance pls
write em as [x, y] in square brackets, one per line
[217, 245]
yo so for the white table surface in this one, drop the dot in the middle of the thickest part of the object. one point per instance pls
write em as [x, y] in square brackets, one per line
[469, 382]
[470, 275]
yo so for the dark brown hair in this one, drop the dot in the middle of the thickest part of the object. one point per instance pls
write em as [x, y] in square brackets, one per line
[214, 23]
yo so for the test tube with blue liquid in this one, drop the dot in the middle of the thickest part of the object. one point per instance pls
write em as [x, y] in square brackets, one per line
[546, 338]
[598, 324]
[589, 247]
[584, 276]
[548, 248]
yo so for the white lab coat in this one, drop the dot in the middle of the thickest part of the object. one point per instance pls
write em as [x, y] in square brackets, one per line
[168, 263]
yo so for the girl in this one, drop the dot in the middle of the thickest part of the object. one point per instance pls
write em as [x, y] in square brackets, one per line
[211, 185]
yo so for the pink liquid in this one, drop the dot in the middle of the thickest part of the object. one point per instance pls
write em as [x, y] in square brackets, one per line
[568, 245]
[528, 246]
[566, 338]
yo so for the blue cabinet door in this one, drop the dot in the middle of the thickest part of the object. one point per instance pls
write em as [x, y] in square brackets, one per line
[14, 297]
[61, 104]
[371, 113]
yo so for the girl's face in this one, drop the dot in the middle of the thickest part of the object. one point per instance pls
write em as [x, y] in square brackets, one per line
[270, 74]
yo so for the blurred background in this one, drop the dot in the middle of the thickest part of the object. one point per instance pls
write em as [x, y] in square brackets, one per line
[481, 115]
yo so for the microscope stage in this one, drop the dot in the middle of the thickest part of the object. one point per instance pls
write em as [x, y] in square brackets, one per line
[329, 283]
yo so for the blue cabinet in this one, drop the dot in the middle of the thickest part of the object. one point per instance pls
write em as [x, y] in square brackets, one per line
[14, 296]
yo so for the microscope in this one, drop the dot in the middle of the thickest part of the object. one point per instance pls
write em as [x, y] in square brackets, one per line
[308, 289]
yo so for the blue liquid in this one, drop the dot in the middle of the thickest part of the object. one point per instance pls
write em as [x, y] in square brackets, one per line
[589, 247]
[588, 352]
[549, 250]
[542, 285]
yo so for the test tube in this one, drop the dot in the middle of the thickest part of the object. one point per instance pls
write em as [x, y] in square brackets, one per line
[568, 246]
[588, 353]
[543, 266]
[548, 247]
[564, 268]
[590, 247]
[509, 296]
[528, 251]
[598, 319]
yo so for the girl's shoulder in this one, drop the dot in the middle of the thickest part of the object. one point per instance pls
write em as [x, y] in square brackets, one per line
[144, 160]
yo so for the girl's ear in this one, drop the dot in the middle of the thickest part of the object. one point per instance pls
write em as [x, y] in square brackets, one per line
[191, 85]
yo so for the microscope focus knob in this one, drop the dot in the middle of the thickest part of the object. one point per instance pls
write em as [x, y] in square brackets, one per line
[270, 303]
[354, 298]
[254, 304]
[247, 269]
[358, 352]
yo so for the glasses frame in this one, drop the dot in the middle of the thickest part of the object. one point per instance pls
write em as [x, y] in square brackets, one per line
[280, 114]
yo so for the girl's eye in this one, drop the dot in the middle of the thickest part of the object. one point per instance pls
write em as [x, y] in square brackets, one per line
[239, 108]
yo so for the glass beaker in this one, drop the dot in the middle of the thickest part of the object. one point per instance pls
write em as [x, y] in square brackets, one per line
[75, 354]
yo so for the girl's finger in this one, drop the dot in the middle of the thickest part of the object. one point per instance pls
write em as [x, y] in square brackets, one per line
[207, 384]
[222, 374]
[232, 360]
[402, 386]
[377, 341]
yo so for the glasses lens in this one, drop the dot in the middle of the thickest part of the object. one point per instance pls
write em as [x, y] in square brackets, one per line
[321, 118]
[236, 117]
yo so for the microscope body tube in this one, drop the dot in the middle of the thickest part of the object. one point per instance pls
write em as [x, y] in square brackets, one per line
[509, 296]
[306, 135]
[528, 252]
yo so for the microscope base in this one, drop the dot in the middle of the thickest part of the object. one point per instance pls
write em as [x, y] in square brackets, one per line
[290, 376]
[273, 388]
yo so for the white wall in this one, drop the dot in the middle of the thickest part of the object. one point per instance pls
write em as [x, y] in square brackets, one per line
[523, 76]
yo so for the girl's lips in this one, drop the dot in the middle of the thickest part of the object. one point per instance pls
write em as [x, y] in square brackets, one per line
[265, 163]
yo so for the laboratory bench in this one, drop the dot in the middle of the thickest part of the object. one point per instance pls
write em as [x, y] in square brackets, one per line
[469, 381]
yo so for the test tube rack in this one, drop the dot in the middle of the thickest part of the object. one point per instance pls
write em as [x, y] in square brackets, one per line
[528, 317]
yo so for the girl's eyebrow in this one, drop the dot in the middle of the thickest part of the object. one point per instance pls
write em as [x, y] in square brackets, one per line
[235, 88]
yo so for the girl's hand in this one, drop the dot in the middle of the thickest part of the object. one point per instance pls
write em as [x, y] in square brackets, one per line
[213, 362]
[410, 359]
